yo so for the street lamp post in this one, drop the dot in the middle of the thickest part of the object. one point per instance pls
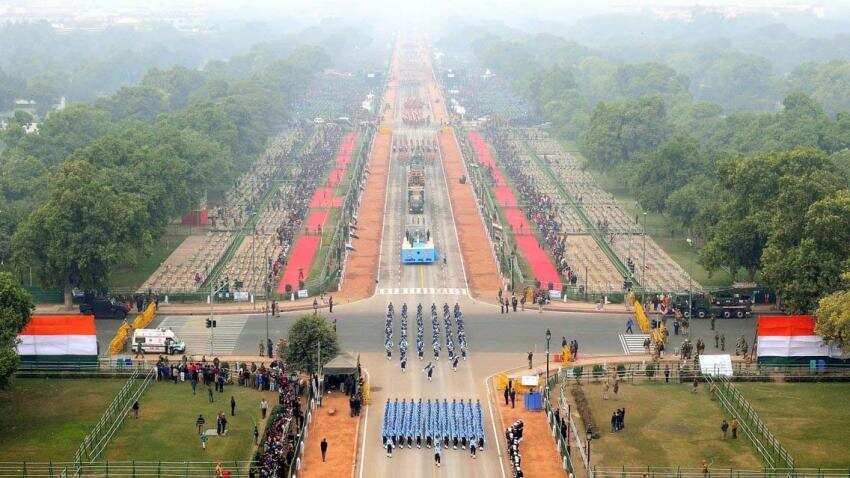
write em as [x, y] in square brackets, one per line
[212, 332]
[268, 292]
[589, 439]
[548, 338]
[643, 271]
[690, 287]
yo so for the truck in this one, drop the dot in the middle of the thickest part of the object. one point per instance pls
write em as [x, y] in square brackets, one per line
[157, 341]
[721, 305]
[416, 185]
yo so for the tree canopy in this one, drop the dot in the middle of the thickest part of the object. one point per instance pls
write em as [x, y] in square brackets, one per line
[16, 305]
[305, 337]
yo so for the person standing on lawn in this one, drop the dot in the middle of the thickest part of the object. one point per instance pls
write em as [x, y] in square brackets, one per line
[200, 422]
[264, 408]
[232, 406]
[136, 409]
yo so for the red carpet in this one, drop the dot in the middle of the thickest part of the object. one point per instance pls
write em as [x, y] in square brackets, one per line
[323, 198]
[504, 195]
[304, 250]
[336, 176]
[540, 262]
[315, 220]
[300, 259]
[482, 152]
[345, 149]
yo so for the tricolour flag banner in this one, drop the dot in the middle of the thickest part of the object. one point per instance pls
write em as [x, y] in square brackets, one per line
[58, 338]
[789, 339]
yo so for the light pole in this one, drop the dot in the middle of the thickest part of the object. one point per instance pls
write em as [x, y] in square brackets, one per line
[513, 258]
[690, 286]
[589, 439]
[548, 338]
[268, 292]
[643, 271]
[210, 321]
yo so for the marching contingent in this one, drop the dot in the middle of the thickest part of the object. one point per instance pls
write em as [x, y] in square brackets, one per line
[437, 345]
[433, 423]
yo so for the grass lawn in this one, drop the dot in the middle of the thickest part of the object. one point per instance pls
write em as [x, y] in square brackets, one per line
[659, 227]
[45, 419]
[666, 425]
[166, 427]
[127, 277]
[809, 419]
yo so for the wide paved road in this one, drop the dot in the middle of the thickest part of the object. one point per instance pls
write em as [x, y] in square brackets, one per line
[496, 342]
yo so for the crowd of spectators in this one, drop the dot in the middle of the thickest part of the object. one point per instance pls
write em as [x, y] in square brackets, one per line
[277, 448]
[539, 207]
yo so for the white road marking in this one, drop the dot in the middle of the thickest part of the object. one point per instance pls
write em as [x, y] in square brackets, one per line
[496, 435]
[193, 331]
[422, 291]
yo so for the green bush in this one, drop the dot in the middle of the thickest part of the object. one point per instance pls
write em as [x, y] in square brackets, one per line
[598, 370]
[584, 410]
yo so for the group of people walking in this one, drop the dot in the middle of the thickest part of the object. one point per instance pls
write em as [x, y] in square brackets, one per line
[456, 351]
[434, 424]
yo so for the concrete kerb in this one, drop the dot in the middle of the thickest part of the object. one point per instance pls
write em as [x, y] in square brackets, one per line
[360, 454]
[496, 435]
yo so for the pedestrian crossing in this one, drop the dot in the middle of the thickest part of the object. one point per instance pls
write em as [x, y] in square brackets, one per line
[422, 291]
[193, 331]
[633, 343]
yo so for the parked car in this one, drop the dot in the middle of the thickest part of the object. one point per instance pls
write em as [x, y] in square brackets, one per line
[104, 308]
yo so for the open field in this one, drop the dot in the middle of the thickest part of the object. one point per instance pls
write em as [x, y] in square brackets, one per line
[809, 419]
[45, 419]
[666, 425]
[166, 427]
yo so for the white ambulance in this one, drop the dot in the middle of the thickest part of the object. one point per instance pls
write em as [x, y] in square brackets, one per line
[157, 341]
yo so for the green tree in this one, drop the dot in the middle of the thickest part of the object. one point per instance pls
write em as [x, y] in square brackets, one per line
[81, 231]
[812, 264]
[828, 83]
[666, 169]
[307, 332]
[16, 305]
[140, 102]
[833, 318]
[619, 130]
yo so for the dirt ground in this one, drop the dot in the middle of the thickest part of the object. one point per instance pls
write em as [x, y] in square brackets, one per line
[539, 458]
[481, 271]
[362, 267]
[359, 280]
[340, 430]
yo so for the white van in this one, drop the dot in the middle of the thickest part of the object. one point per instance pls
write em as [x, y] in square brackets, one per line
[157, 341]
